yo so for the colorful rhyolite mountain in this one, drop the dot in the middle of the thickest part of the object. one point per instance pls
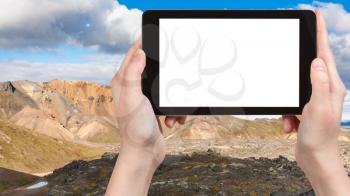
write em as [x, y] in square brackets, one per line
[44, 126]
[70, 113]
[64, 110]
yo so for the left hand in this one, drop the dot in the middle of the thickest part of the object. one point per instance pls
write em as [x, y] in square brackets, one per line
[142, 143]
[138, 124]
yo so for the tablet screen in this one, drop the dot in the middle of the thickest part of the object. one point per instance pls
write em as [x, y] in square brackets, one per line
[228, 62]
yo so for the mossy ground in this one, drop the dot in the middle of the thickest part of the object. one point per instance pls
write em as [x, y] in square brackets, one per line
[212, 174]
[197, 174]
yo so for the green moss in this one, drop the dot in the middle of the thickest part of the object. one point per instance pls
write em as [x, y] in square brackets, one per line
[4, 185]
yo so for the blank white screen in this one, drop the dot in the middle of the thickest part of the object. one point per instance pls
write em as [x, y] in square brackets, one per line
[229, 63]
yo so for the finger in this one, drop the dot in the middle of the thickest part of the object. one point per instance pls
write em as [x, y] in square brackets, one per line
[324, 52]
[116, 86]
[295, 123]
[181, 119]
[287, 124]
[135, 46]
[138, 43]
[322, 36]
[290, 124]
[129, 56]
[170, 121]
[131, 80]
[320, 82]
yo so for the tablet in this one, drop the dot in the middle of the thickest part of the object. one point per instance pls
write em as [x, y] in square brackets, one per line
[228, 62]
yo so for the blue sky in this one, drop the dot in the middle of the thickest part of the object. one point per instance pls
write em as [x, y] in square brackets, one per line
[220, 4]
[41, 40]
[63, 53]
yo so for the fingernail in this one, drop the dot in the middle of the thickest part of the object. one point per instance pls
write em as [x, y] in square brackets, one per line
[318, 65]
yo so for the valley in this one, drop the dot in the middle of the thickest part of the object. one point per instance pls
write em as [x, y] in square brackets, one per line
[57, 131]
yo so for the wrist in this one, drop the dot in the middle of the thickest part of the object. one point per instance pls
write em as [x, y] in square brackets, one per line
[138, 158]
[152, 153]
[326, 172]
[132, 173]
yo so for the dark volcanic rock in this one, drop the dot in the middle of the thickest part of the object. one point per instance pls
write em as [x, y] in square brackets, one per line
[197, 174]
[284, 192]
[109, 156]
[81, 178]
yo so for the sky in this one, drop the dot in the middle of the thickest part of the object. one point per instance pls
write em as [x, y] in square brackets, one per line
[41, 40]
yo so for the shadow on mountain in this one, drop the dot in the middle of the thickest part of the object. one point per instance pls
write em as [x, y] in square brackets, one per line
[10, 179]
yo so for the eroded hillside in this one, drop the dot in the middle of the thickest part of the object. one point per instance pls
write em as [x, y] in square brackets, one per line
[27, 151]
[60, 109]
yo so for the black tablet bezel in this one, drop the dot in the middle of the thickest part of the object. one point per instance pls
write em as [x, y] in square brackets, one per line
[150, 44]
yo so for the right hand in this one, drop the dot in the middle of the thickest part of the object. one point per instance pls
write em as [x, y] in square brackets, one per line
[319, 125]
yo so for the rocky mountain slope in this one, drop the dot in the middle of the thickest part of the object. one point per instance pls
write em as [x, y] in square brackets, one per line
[87, 97]
[229, 128]
[31, 152]
[226, 127]
[46, 125]
[64, 110]
[78, 110]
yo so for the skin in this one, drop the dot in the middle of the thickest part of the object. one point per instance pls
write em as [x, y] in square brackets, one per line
[318, 127]
[143, 146]
[142, 143]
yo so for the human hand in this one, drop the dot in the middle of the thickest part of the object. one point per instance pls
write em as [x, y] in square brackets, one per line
[319, 125]
[142, 143]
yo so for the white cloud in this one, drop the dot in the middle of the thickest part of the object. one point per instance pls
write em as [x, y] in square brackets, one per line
[341, 48]
[100, 69]
[41, 24]
[338, 20]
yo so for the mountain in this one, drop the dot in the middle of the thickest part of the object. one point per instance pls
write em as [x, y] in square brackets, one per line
[87, 97]
[44, 126]
[83, 113]
[64, 110]
[71, 110]
[24, 150]
[12, 100]
[229, 127]
[226, 127]
[79, 110]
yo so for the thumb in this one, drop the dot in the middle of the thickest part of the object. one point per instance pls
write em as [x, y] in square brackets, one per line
[133, 72]
[319, 81]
